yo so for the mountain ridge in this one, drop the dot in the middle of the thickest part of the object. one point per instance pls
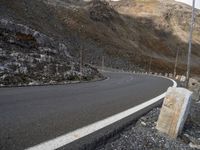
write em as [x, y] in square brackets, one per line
[129, 34]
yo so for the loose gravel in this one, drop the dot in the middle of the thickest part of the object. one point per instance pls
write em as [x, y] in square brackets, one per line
[143, 135]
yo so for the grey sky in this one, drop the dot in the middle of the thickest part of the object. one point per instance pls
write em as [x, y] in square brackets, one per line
[189, 2]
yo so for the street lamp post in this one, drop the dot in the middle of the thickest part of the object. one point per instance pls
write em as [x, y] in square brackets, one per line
[190, 44]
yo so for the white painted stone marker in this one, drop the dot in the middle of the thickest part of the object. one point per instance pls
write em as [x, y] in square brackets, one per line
[183, 78]
[174, 111]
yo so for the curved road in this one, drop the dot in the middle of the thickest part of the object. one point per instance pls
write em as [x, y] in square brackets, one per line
[31, 115]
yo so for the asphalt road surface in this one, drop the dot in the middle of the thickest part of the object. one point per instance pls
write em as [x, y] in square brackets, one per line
[31, 115]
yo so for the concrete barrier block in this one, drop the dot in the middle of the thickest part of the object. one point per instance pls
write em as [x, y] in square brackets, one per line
[170, 75]
[174, 111]
[194, 86]
[183, 78]
[178, 77]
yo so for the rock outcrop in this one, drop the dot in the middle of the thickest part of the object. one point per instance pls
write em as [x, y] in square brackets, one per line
[29, 57]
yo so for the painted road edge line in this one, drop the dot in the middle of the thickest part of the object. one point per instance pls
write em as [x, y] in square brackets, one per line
[84, 131]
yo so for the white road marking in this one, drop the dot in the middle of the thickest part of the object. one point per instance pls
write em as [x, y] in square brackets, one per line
[84, 131]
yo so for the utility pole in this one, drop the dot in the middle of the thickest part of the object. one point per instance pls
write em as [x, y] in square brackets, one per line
[176, 62]
[81, 60]
[102, 67]
[150, 64]
[57, 69]
[48, 62]
[190, 44]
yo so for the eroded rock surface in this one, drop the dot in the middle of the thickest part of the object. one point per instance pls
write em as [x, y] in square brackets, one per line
[29, 57]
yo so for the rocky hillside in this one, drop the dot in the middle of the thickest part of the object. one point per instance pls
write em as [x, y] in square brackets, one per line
[29, 57]
[164, 29]
[128, 33]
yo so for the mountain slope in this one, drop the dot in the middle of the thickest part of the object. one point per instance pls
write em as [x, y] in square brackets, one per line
[29, 57]
[128, 33]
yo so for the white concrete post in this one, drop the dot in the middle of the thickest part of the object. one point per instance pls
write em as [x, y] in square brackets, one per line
[174, 111]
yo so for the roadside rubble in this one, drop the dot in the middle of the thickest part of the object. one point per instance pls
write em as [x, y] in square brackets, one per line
[143, 133]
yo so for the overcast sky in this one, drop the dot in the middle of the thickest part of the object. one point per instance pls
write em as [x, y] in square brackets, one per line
[190, 2]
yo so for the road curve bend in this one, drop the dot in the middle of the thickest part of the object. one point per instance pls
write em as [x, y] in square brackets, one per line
[32, 115]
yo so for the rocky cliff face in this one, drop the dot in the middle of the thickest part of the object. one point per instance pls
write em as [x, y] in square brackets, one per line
[29, 57]
[129, 34]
